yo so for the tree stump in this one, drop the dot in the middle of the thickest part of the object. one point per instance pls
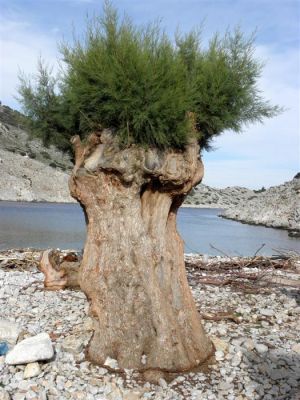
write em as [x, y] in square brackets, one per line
[132, 269]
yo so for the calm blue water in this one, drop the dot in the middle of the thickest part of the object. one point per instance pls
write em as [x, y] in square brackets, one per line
[45, 225]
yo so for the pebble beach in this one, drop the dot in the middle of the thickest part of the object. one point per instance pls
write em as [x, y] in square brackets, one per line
[253, 322]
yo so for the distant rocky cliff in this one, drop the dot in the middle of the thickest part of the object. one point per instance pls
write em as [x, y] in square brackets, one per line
[206, 196]
[25, 179]
[15, 139]
[278, 207]
[30, 171]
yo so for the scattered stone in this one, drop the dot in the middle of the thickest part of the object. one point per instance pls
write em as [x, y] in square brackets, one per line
[222, 330]
[4, 395]
[144, 359]
[267, 312]
[32, 370]
[111, 363]
[32, 349]
[235, 362]
[241, 373]
[296, 348]
[163, 383]
[72, 344]
[219, 355]
[9, 331]
[261, 348]
[19, 396]
[225, 386]
[220, 344]
[248, 344]
[132, 395]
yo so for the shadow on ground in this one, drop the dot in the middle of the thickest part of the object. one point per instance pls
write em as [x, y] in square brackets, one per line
[292, 293]
[274, 375]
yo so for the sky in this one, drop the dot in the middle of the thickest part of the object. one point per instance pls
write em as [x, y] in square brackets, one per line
[265, 154]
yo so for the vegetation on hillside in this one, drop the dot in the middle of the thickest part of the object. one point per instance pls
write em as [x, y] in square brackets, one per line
[146, 86]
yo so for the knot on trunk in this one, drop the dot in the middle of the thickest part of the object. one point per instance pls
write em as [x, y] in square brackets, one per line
[173, 169]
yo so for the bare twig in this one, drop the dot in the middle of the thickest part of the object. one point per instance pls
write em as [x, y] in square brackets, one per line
[221, 316]
[259, 249]
[220, 251]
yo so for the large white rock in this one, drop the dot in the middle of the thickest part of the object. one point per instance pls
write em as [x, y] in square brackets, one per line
[9, 331]
[32, 349]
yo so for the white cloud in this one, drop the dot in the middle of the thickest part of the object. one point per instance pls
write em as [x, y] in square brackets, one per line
[20, 48]
[265, 154]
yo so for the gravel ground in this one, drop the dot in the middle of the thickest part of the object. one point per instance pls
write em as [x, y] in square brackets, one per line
[258, 351]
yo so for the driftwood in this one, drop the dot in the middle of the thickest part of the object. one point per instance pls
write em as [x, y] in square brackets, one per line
[241, 262]
[249, 275]
[60, 271]
[221, 316]
[19, 258]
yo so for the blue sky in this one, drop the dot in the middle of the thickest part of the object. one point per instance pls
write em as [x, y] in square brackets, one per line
[264, 155]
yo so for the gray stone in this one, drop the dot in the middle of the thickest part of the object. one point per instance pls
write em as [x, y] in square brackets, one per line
[9, 331]
[235, 362]
[19, 396]
[32, 370]
[267, 312]
[111, 363]
[72, 344]
[296, 348]
[219, 355]
[4, 395]
[280, 373]
[163, 383]
[261, 348]
[248, 344]
[32, 349]
[220, 344]
[225, 386]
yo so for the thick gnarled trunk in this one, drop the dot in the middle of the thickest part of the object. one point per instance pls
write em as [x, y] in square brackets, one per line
[133, 263]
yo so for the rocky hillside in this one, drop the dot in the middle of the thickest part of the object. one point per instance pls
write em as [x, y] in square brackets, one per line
[15, 139]
[29, 171]
[209, 197]
[25, 179]
[277, 207]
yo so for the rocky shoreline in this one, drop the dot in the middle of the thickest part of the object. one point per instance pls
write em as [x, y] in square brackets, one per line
[277, 207]
[250, 308]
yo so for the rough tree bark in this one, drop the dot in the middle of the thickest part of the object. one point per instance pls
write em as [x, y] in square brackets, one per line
[132, 269]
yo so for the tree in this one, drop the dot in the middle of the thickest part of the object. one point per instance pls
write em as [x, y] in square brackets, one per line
[44, 107]
[142, 107]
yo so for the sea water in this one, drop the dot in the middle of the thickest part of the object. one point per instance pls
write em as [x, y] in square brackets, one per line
[49, 225]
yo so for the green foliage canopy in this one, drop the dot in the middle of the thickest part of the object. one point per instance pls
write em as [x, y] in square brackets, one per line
[144, 86]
